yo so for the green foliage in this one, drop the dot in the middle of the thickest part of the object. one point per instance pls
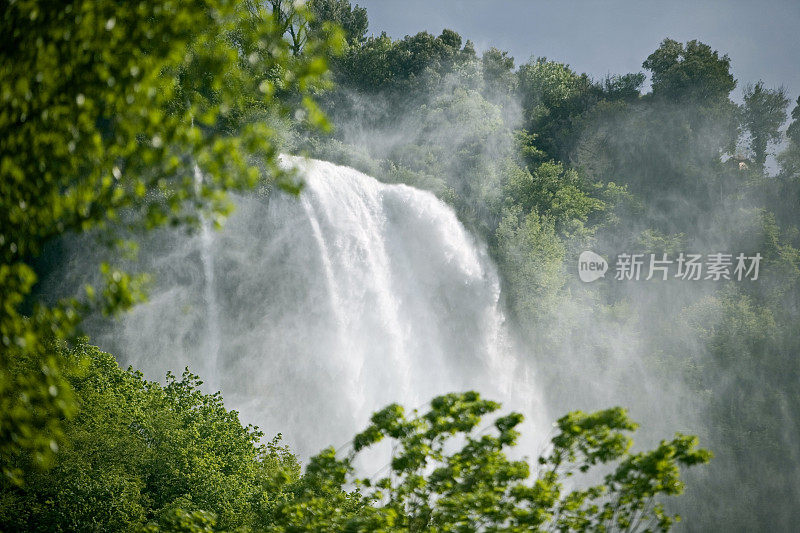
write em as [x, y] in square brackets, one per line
[498, 71]
[793, 131]
[530, 257]
[623, 87]
[353, 20]
[668, 155]
[555, 191]
[138, 452]
[789, 159]
[402, 70]
[180, 521]
[596, 164]
[145, 457]
[552, 95]
[690, 72]
[546, 84]
[764, 112]
[449, 474]
[106, 108]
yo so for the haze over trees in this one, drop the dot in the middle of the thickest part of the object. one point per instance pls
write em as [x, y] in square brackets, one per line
[175, 459]
[544, 162]
[106, 110]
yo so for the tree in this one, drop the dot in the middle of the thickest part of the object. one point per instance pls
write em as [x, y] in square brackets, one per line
[138, 452]
[623, 87]
[666, 146]
[552, 96]
[106, 109]
[793, 131]
[551, 190]
[142, 456]
[498, 71]
[530, 257]
[403, 68]
[691, 72]
[291, 19]
[789, 159]
[764, 111]
[352, 19]
[447, 473]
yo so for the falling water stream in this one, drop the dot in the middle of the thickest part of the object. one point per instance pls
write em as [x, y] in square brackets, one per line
[212, 344]
[310, 313]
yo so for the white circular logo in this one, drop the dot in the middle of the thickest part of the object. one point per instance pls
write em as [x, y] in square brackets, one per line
[591, 266]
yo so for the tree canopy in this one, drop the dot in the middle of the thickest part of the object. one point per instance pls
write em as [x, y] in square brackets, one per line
[691, 71]
[109, 113]
[106, 109]
[142, 456]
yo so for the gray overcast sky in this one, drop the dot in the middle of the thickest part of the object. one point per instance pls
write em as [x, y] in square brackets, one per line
[599, 37]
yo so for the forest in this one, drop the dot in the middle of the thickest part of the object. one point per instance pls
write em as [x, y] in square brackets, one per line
[120, 121]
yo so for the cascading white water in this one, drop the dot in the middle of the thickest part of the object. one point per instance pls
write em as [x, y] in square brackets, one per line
[327, 307]
[213, 341]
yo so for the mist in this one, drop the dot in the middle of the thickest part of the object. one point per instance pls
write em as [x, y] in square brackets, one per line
[310, 313]
[434, 248]
[651, 346]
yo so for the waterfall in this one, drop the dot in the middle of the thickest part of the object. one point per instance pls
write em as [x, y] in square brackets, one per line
[212, 341]
[311, 313]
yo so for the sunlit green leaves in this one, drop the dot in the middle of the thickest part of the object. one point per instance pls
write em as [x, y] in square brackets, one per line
[447, 475]
[105, 108]
[138, 453]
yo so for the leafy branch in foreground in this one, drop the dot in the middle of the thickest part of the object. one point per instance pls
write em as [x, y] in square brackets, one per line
[141, 456]
[479, 488]
[106, 110]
